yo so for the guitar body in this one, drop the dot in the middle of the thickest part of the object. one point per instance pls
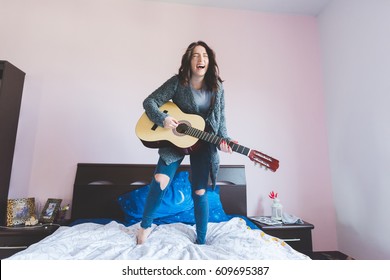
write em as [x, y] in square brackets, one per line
[154, 136]
[187, 135]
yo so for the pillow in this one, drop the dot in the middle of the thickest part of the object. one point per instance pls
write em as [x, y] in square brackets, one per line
[216, 212]
[177, 204]
[177, 198]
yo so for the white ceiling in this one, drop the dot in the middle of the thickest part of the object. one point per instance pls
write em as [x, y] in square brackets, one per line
[303, 7]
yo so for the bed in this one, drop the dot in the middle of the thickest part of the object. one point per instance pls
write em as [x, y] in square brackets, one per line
[107, 208]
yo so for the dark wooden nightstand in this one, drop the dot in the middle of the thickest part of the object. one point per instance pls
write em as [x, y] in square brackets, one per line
[15, 239]
[297, 236]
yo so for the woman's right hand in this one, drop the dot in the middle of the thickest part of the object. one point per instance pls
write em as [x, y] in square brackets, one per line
[170, 122]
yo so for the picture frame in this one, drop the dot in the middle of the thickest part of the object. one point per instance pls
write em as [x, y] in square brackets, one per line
[19, 210]
[50, 210]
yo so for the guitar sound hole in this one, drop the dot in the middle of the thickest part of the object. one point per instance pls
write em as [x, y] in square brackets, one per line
[182, 128]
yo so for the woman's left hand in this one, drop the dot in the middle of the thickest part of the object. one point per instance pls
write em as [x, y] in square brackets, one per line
[225, 147]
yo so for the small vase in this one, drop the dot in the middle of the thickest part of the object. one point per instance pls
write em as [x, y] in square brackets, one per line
[277, 210]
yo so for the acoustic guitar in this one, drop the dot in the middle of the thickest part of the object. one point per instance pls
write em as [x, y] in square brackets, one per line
[187, 134]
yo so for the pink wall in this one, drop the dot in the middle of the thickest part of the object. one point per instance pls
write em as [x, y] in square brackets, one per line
[356, 67]
[89, 65]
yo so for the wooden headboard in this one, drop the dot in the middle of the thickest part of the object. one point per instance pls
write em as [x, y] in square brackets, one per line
[98, 185]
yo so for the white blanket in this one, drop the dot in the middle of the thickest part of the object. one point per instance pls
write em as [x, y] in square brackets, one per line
[226, 240]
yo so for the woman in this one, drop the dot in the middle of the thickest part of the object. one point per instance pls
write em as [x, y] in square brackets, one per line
[197, 89]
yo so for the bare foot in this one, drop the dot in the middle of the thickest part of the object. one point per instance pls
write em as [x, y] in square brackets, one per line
[143, 234]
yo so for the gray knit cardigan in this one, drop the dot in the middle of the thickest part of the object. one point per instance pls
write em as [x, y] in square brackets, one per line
[182, 96]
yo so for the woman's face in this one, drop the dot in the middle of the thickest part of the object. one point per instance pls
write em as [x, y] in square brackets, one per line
[199, 62]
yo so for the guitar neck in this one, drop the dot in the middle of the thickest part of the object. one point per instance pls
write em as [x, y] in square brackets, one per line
[256, 156]
[214, 139]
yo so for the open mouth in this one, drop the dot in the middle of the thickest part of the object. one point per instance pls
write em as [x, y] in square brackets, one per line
[200, 66]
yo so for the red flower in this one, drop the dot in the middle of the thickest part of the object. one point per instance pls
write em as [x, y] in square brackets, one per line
[273, 195]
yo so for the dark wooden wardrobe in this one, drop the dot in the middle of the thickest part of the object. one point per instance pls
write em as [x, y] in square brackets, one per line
[11, 88]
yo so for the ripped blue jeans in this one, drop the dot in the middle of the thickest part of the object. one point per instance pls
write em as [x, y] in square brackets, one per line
[199, 180]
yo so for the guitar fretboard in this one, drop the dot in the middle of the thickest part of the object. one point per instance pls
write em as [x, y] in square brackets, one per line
[214, 139]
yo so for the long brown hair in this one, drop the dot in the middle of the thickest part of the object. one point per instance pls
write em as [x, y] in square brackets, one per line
[212, 75]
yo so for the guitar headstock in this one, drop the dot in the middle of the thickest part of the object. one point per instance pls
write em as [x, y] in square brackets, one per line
[264, 160]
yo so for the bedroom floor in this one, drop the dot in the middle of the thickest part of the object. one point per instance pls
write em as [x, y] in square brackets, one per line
[330, 255]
